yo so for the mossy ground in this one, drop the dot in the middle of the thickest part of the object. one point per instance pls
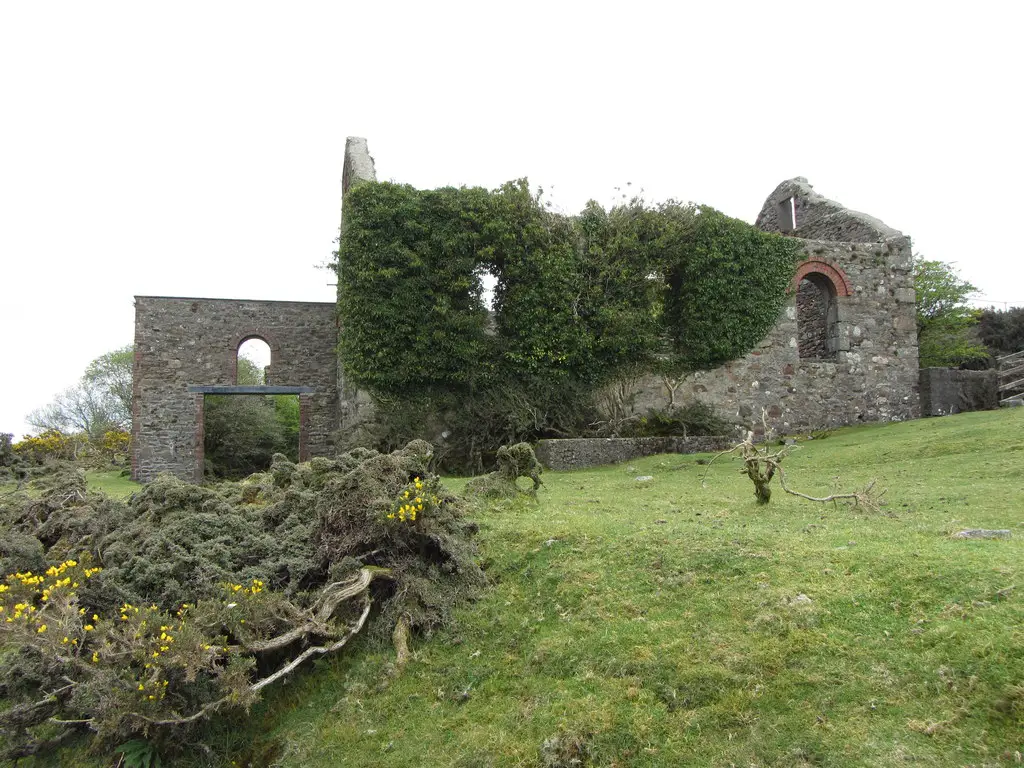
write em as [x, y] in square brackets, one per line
[660, 623]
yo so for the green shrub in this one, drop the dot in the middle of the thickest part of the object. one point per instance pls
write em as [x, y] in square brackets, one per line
[6, 449]
[207, 594]
[243, 432]
[693, 419]
[48, 445]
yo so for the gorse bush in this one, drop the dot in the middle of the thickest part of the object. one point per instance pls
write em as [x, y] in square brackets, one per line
[109, 449]
[126, 669]
[116, 445]
[50, 444]
[150, 615]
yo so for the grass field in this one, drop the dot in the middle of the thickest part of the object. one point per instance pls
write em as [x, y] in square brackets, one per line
[666, 624]
[111, 483]
[660, 623]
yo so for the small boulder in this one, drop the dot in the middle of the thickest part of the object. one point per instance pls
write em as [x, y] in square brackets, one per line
[982, 533]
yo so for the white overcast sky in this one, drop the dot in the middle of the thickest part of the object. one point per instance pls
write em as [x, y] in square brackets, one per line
[195, 148]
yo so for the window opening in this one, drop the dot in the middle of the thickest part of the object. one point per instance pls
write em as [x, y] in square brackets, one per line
[484, 293]
[252, 364]
[817, 318]
[786, 214]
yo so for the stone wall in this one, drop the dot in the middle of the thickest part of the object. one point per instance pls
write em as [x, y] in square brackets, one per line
[874, 373]
[186, 342]
[594, 452]
[355, 406]
[947, 390]
[817, 217]
[847, 354]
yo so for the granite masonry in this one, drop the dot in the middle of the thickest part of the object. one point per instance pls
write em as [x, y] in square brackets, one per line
[843, 351]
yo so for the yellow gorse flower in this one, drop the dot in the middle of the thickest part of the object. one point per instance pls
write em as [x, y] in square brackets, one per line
[412, 501]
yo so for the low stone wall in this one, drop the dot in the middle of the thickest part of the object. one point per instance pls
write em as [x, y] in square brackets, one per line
[947, 390]
[580, 453]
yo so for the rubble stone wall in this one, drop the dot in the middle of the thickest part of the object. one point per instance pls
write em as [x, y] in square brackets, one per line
[874, 373]
[945, 391]
[186, 342]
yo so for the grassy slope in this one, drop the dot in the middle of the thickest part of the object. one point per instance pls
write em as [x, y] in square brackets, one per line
[112, 483]
[656, 621]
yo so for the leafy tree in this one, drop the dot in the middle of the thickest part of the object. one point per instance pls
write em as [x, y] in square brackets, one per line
[112, 373]
[243, 432]
[1002, 331]
[83, 408]
[100, 402]
[944, 320]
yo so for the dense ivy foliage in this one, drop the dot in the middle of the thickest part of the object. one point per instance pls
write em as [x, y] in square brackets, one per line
[411, 298]
[725, 285]
[579, 302]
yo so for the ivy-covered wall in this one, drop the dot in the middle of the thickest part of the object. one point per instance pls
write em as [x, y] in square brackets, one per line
[579, 302]
[683, 293]
[874, 373]
[672, 292]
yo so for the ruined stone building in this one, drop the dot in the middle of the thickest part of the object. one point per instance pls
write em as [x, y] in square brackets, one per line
[844, 350]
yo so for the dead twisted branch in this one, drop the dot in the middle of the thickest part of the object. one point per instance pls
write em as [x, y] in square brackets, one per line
[317, 623]
[332, 596]
[760, 464]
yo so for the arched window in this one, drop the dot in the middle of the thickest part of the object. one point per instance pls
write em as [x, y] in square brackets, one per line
[252, 362]
[817, 316]
[819, 286]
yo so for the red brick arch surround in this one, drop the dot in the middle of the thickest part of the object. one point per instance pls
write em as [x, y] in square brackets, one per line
[231, 360]
[817, 266]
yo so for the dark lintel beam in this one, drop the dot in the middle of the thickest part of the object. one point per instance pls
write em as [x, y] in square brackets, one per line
[247, 390]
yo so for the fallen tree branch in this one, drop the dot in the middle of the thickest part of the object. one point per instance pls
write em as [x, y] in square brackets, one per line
[315, 651]
[318, 650]
[316, 622]
[860, 498]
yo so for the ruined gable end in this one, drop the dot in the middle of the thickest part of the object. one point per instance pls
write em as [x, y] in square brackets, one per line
[844, 349]
[794, 208]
